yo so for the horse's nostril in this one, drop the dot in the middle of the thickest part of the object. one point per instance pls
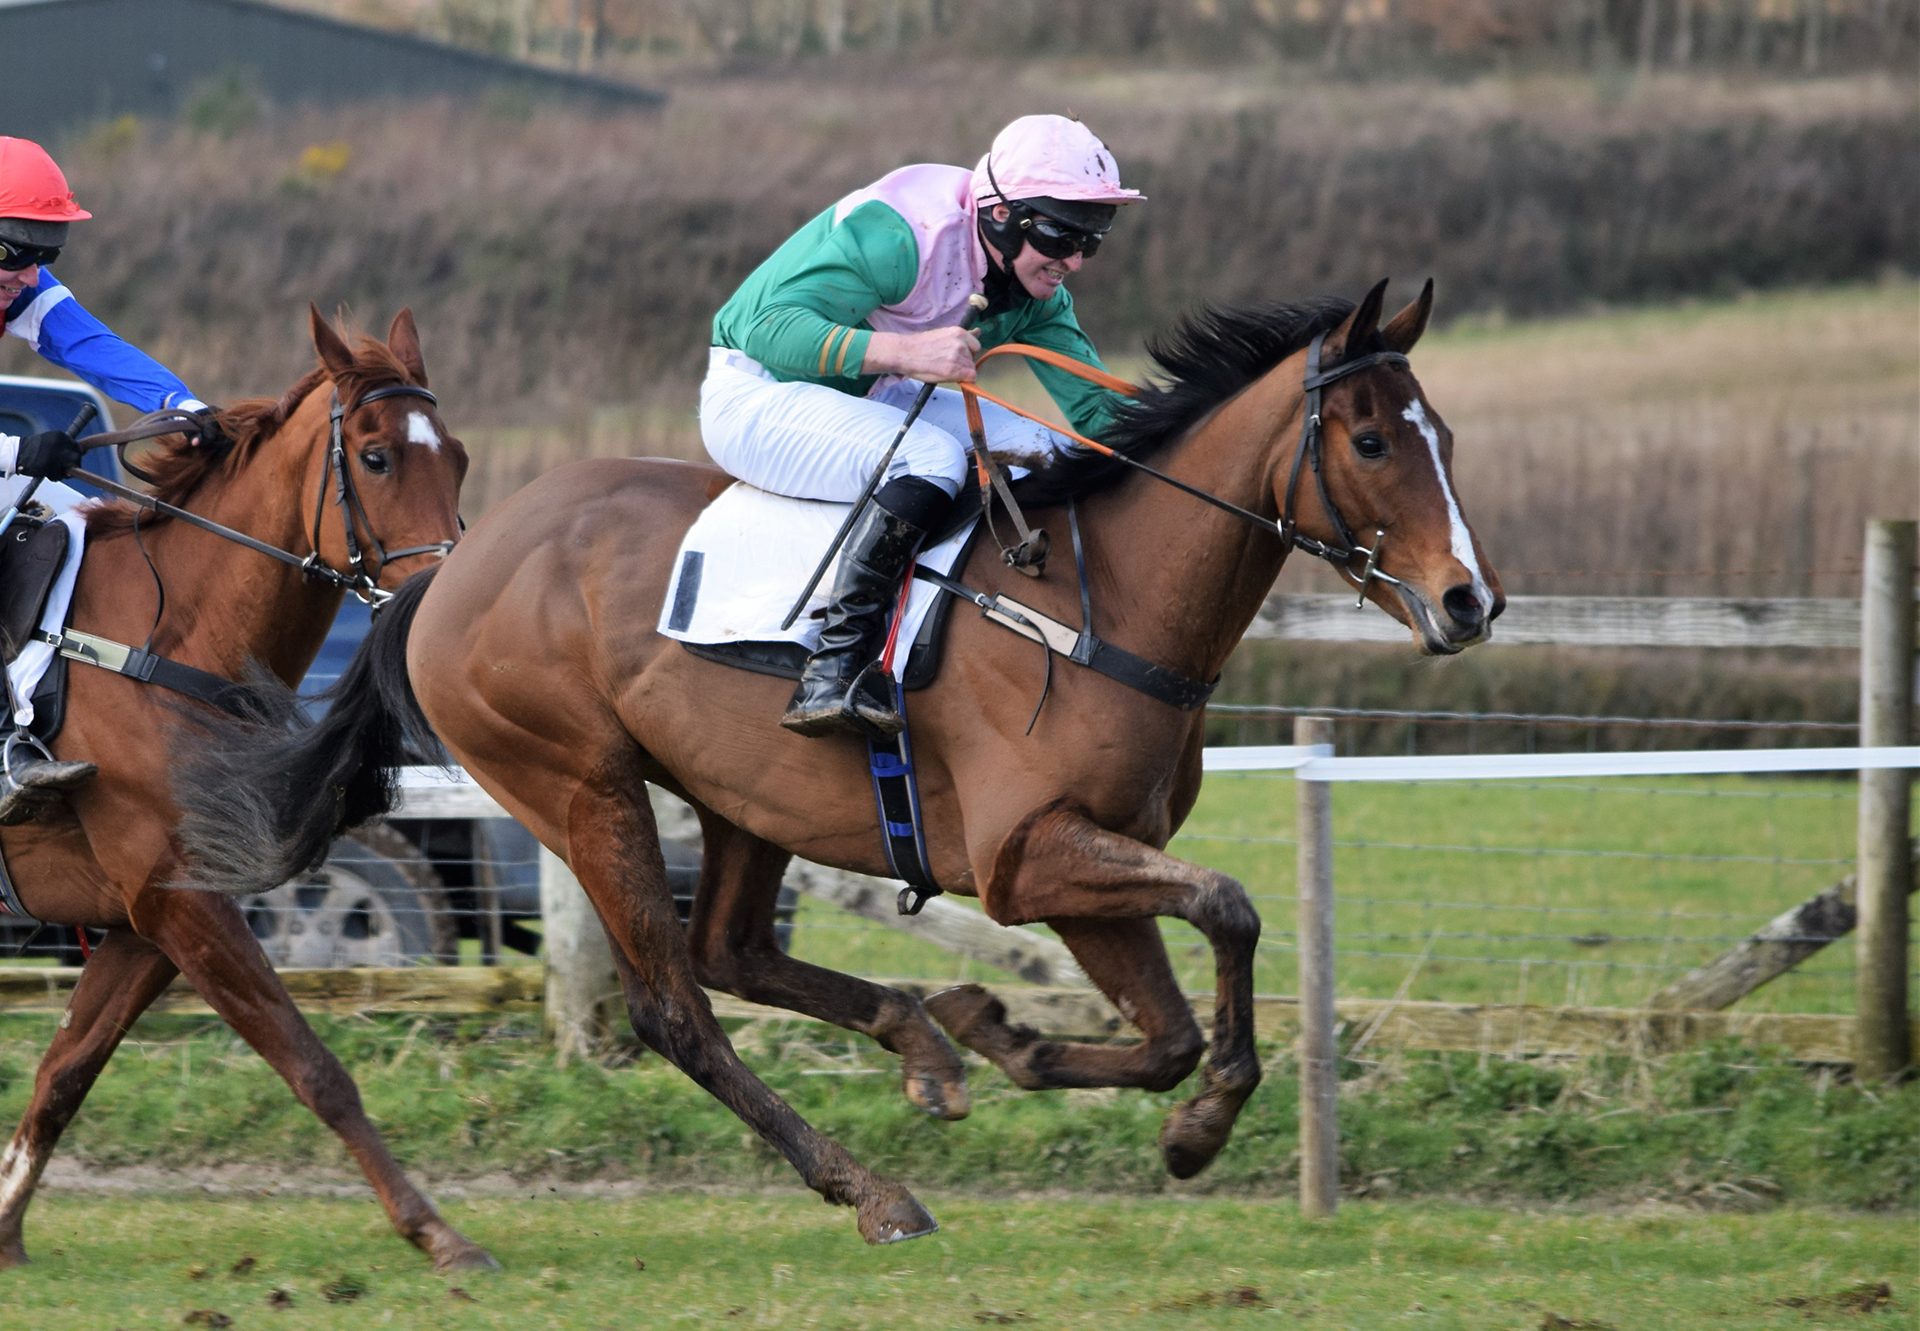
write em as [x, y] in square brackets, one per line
[1463, 604]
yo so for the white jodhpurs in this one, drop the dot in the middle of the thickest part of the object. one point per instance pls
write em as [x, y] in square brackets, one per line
[808, 441]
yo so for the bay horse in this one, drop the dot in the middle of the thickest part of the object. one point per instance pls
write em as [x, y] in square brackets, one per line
[354, 479]
[532, 652]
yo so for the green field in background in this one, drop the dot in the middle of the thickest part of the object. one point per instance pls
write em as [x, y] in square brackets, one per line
[1581, 892]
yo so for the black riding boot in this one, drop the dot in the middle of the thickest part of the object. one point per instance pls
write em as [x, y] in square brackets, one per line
[839, 694]
[33, 783]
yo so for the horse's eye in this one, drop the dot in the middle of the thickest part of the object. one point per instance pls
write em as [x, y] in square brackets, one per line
[374, 460]
[1370, 445]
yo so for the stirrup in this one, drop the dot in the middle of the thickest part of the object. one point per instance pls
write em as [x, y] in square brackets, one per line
[848, 715]
[39, 783]
[21, 738]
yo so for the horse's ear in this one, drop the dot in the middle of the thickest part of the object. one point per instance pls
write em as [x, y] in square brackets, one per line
[1404, 329]
[403, 339]
[334, 352]
[1360, 325]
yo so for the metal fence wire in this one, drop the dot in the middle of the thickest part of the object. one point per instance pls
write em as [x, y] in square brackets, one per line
[1563, 891]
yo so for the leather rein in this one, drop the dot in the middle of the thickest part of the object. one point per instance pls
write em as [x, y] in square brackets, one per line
[1341, 554]
[355, 580]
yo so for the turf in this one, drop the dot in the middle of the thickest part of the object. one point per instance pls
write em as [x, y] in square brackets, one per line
[666, 1260]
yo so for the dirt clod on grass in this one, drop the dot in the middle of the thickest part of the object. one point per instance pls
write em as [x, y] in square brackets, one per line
[1868, 1296]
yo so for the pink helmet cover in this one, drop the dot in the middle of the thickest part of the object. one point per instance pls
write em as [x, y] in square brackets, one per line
[1049, 157]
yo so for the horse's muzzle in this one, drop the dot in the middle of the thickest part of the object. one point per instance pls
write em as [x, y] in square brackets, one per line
[1461, 621]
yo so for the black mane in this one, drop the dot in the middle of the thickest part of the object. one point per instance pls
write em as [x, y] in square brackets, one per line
[1208, 357]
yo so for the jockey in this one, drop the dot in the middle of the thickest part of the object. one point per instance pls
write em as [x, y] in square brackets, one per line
[35, 207]
[819, 355]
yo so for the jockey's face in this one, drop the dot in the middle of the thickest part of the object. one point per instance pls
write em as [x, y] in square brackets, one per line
[1034, 271]
[18, 280]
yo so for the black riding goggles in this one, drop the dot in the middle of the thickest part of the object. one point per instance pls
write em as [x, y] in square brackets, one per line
[14, 255]
[1057, 240]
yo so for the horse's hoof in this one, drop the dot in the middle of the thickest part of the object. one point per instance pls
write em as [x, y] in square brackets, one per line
[465, 1256]
[1191, 1137]
[894, 1217]
[944, 1098]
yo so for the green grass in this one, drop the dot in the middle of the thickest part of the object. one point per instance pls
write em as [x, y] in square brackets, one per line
[661, 1259]
[1588, 893]
[1716, 1125]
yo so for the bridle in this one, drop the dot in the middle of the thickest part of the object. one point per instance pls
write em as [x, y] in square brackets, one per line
[1341, 553]
[1312, 450]
[356, 580]
[353, 513]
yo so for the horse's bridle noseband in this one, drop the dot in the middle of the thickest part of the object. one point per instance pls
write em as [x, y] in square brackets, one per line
[1341, 556]
[357, 580]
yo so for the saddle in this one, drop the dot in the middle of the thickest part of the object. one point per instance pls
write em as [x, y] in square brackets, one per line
[788, 660]
[31, 555]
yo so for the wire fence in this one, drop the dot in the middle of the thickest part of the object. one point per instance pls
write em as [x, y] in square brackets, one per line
[1580, 892]
[1568, 891]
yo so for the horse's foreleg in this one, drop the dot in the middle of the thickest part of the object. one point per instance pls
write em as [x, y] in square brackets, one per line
[1128, 961]
[208, 938]
[1060, 868]
[614, 851]
[732, 938]
[124, 975]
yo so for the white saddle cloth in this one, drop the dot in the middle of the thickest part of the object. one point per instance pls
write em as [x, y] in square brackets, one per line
[745, 558]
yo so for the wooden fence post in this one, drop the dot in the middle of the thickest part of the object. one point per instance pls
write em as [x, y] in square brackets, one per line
[1319, 1056]
[1883, 1048]
[580, 975]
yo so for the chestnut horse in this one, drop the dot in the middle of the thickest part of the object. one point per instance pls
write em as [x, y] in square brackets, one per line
[351, 468]
[532, 651]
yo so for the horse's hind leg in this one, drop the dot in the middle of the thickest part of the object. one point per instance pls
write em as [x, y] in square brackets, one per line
[614, 851]
[732, 938]
[208, 938]
[124, 975]
[1101, 891]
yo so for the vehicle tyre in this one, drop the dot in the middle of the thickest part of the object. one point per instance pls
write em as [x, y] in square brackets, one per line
[374, 902]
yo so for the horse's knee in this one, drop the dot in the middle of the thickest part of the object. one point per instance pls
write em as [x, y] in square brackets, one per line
[1224, 912]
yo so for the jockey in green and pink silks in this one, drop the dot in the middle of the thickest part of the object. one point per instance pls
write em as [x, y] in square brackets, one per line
[818, 356]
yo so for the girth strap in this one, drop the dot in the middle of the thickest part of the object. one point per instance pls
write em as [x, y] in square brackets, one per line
[138, 663]
[1081, 646]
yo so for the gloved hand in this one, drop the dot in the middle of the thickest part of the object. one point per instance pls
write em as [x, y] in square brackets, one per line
[51, 453]
[207, 426]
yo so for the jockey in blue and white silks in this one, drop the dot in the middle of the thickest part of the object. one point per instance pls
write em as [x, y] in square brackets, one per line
[36, 207]
[48, 317]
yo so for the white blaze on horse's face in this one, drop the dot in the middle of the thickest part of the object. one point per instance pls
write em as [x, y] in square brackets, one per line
[420, 430]
[1460, 539]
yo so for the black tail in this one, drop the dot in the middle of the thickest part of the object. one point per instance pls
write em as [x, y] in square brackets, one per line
[264, 794]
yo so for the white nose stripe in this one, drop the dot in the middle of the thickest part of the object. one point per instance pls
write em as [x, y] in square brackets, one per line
[1461, 538]
[420, 430]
